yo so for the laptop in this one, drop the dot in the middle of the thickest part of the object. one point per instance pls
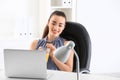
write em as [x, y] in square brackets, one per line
[25, 63]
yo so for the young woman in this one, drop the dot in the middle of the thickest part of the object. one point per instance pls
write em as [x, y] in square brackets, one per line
[52, 40]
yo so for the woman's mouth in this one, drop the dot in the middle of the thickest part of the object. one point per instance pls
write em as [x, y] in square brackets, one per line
[55, 32]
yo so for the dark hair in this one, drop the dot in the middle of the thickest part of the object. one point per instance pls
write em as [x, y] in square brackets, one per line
[58, 13]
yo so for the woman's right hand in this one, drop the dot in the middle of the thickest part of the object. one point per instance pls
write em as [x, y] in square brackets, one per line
[52, 49]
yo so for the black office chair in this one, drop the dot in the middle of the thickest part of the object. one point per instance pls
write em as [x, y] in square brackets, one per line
[77, 33]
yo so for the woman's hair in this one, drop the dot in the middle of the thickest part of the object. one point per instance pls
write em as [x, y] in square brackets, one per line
[46, 29]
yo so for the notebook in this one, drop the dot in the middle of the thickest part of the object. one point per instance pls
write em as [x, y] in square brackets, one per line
[25, 63]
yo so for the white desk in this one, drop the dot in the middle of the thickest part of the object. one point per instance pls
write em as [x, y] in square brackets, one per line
[60, 75]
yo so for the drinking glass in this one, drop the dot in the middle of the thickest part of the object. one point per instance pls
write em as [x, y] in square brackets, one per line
[47, 54]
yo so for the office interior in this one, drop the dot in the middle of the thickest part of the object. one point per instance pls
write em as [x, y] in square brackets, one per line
[100, 18]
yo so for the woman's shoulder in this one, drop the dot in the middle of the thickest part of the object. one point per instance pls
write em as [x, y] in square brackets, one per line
[34, 44]
[35, 41]
[66, 41]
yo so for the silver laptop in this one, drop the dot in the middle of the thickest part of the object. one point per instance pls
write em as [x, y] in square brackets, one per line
[25, 63]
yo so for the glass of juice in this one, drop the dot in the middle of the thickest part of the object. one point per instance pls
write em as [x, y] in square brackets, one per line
[47, 54]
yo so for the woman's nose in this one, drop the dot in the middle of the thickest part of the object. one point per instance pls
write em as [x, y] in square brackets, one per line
[56, 27]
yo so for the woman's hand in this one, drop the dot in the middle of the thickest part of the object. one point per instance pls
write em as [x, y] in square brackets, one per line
[68, 66]
[52, 48]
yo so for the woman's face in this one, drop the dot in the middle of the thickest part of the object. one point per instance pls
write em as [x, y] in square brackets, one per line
[56, 25]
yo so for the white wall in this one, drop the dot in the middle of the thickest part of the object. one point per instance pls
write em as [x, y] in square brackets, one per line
[17, 16]
[102, 20]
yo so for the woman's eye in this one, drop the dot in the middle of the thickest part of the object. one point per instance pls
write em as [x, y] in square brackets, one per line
[60, 25]
[53, 23]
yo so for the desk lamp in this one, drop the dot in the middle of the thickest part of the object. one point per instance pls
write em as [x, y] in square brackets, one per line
[63, 53]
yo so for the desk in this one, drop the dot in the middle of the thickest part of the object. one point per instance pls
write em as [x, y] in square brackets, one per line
[61, 75]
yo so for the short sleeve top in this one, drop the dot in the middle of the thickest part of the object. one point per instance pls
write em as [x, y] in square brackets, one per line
[58, 42]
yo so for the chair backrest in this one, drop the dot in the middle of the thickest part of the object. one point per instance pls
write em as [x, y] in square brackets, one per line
[76, 32]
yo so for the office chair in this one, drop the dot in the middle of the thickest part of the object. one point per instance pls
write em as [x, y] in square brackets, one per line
[77, 33]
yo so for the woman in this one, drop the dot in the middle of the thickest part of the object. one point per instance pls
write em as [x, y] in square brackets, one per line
[52, 40]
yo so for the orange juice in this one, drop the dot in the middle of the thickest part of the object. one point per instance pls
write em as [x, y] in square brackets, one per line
[47, 57]
[47, 54]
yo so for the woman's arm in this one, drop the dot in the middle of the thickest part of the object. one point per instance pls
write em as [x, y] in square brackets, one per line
[33, 45]
[68, 66]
